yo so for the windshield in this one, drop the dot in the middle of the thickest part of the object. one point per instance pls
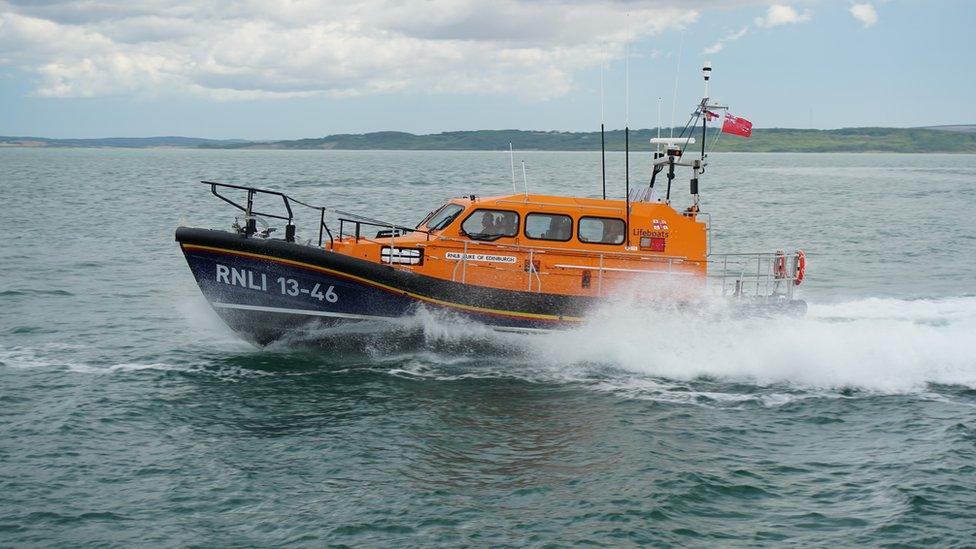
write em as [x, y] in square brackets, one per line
[443, 217]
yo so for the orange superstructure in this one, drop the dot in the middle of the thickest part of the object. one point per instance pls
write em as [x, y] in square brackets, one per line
[553, 244]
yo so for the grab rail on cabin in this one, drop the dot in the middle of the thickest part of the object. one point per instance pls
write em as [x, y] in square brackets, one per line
[388, 230]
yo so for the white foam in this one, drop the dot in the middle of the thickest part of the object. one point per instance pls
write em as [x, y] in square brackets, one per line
[648, 350]
[205, 325]
[48, 357]
[26, 357]
[652, 349]
[126, 367]
[883, 345]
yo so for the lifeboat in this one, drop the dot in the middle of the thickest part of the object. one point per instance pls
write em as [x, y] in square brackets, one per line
[515, 262]
[518, 261]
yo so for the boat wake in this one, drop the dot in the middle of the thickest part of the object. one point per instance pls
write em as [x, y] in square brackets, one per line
[873, 346]
[877, 345]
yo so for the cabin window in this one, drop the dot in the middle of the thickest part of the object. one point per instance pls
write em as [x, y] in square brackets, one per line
[601, 230]
[444, 216]
[541, 226]
[490, 224]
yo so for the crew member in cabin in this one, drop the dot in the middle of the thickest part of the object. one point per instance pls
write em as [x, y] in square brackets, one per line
[613, 232]
[488, 225]
[560, 228]
[508, 225]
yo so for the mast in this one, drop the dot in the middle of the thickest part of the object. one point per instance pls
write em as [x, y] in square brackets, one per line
[699, 167]
[707, 73]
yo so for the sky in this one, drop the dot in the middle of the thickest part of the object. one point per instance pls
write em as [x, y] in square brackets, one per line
[286, 69]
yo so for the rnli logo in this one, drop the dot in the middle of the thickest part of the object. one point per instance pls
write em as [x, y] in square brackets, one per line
[659, 224]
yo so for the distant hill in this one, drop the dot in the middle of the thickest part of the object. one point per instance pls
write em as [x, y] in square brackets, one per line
[938, 139]
[762, 140]
[965, 128]
[124, 142]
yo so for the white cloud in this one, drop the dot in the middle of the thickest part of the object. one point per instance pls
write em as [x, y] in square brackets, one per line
[779, 14]
[720, 44]
[865, 13]
[228, 49]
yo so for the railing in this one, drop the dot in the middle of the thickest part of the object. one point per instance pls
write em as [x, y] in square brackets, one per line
[764, 274]
[250, 226]
[251, 215]
[388, 230]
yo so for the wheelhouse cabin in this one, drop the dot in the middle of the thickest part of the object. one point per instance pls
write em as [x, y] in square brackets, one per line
[550, 244]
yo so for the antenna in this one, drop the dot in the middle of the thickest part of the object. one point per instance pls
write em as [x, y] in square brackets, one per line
[706, 73]
[524, 180]
[627, 146]
[511, 154]
[677, 70]
[659, 101]
[603, 141]
[627, 86]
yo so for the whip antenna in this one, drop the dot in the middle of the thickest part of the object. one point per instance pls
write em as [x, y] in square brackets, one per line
[511, 154]
[603, 142]
[524, 180]
[677, 70]
[627, 144]
[659, 101]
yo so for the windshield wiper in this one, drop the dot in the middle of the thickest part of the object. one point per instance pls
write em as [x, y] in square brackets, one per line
[483, 236]
[447, 221]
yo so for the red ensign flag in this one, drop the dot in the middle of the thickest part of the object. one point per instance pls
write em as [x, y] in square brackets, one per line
[737, 126]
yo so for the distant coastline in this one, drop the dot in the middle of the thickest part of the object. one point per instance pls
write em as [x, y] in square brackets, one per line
[935, 139]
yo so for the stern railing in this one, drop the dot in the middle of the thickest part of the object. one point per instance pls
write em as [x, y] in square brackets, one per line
[762, 274]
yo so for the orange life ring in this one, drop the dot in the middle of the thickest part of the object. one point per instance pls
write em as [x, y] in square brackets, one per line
[801, 267]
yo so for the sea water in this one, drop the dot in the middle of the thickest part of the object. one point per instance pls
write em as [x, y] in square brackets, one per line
[130, 415]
